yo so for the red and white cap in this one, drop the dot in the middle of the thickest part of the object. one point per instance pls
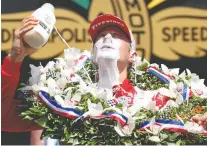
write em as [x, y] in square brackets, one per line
[110, 20]
[104, 20]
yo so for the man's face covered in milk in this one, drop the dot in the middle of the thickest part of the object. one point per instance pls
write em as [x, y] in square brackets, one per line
[112, 43]
[112, 52]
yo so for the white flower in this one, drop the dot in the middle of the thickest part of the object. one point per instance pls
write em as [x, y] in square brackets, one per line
[136, 106]
[180, 87]
[197, 85]
[138, 61]
[198, 88]
[92, 88]
[53, 88]
[165, 69]
[66, 73]
[50, 66]
[127, 129]
[94, 109]
[59, 99]
[67, 101]
[43, 77]
[77, 97]
[143, 99]
[35, 72]
[101, 94]
[86, 53]
[37, 87]
[154, 129]
[118, 129]
[182, 75]
[167, 92]
[71, 55]
[61, 82]
[61, 64]
[169, 104]
[188, 72]
[179, 99]
[174, 72]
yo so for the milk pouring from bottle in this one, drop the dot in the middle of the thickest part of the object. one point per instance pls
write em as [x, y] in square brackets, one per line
[39, 35]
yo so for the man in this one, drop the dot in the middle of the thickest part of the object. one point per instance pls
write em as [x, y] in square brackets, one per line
[104, 30]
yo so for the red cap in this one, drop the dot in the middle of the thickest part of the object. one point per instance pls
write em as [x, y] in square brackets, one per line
[107, 19]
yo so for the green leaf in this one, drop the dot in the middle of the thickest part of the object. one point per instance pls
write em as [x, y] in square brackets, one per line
[178, 142]
[42, 122]
[173, 136]
[163, 136]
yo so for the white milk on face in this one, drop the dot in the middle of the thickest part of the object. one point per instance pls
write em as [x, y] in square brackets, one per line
[106, 54]
[39, 35]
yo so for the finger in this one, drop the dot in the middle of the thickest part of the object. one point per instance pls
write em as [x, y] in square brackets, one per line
[25, 30]
[196, 119]
[30, 19]
[27, 19]
[205, 125]
[204, 117]
[29, 23]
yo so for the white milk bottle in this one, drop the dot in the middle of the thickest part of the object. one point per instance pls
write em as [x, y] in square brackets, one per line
[39, 35]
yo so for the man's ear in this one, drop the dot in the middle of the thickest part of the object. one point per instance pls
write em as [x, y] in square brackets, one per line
[132, 57]
[130, 60]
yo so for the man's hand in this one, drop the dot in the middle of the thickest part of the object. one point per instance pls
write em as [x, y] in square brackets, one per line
[19, 49]
[201, 120]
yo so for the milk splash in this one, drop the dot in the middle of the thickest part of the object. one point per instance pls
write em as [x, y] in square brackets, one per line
[106, 53]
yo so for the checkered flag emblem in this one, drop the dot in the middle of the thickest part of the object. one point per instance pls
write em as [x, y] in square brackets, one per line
[115, 101]
[26, 93]
[112, 102]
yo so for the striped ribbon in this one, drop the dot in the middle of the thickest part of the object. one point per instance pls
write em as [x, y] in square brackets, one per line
[73, 113]
[186, 92]
[170, 125]
[66, 112]
[116, 116]
[165, 78]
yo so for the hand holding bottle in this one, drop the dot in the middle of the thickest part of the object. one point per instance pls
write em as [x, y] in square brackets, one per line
[19, 48]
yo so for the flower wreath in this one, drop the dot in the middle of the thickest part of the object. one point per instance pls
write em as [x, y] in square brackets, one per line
[63, 97]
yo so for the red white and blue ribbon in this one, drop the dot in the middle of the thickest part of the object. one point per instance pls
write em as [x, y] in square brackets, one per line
[170, 125]
[73, 113]
[186, 92]
[118, 117]
[165, 78]
[66, 112]
[113, 115]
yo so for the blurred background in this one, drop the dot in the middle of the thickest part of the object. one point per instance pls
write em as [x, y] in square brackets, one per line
[170, 32]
